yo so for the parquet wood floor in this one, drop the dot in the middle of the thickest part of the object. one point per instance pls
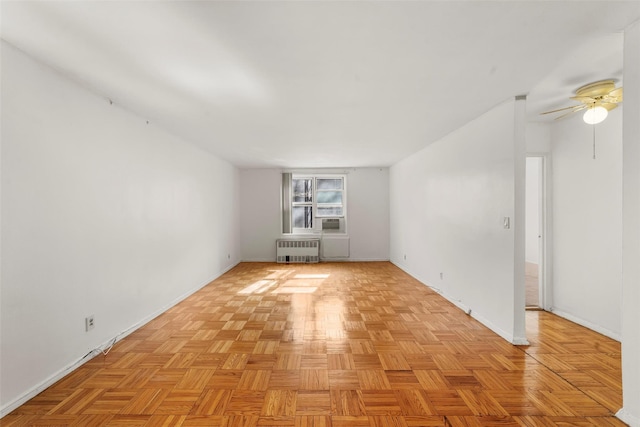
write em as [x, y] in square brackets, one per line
[348, 344]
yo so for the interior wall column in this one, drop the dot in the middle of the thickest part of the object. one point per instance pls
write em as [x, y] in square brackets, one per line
[630, 413]
[519, 222]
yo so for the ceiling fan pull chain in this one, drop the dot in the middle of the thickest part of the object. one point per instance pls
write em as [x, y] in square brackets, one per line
[594, 141]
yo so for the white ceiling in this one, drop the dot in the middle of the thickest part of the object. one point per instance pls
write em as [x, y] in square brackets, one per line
[322, 83]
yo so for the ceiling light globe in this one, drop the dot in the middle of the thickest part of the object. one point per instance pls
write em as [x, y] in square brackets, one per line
[595, 115]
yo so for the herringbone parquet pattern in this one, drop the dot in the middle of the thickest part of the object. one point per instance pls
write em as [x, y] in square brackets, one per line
[350, 344]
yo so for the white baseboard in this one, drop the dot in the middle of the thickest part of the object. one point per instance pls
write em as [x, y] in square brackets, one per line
[597, 328]
[522, 340]
[273, 260]
[626, 417]
[353, 260]
[466, 309]
[14, 404]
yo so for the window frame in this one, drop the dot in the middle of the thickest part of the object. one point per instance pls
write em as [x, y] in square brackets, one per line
[329, 205]
[316, 218]
[294, 204]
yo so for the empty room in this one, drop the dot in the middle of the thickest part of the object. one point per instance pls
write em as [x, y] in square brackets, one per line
[320, 213]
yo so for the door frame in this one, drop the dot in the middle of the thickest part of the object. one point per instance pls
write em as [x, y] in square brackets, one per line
[545, 270]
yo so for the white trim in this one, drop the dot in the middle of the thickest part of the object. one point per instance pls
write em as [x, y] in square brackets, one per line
[323, 260]
[541, 226]
[468, 310]
[626, 417]
[546, 248]
[17, 402]
[547, 237]
[317, 219]
[504, 334]
[596, 328]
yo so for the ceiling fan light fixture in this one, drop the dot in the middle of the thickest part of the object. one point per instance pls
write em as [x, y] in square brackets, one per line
[595, 115]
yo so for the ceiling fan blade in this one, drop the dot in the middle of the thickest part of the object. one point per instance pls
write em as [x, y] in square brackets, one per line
[585, 99]
[601, 93]
[613, 97]
[582, 107]
[616, 92]
[563, 109]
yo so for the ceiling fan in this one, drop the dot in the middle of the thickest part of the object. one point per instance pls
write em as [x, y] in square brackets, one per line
[597, 98]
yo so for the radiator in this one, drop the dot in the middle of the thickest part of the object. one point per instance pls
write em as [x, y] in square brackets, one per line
[300, 250]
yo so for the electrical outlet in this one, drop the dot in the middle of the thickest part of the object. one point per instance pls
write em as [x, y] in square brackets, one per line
[405, 257]
[89, 323]
[441, 276]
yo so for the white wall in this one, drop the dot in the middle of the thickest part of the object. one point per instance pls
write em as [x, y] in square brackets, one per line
[260, 202]
[102, 214]
[367, 210]
[587, 216]
[538, 138]
[631, 230]
[538, 141]
[448, 202]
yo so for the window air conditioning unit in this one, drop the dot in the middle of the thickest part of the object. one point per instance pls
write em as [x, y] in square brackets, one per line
[331, 223]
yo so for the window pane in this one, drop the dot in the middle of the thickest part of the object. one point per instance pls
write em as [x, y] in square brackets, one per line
[332, 197]
[302, 217]
[302, 190]
[329, 184]
[330, 211]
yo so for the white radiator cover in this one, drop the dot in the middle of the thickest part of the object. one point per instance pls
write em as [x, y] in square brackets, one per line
[335, 247]
[298, 250]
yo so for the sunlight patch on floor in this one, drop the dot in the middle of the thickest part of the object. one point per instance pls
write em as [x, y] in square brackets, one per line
[279, 274]
[296, 290]
[285, 282]
[311, 276]
[259, 287]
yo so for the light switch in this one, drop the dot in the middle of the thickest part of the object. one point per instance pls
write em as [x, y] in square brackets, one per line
[507, 223]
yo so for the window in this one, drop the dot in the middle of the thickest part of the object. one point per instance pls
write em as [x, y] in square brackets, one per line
[317, 203]
[302, 206]
[329, 193]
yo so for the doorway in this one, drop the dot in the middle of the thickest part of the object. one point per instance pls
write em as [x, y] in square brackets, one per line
[534, 254]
